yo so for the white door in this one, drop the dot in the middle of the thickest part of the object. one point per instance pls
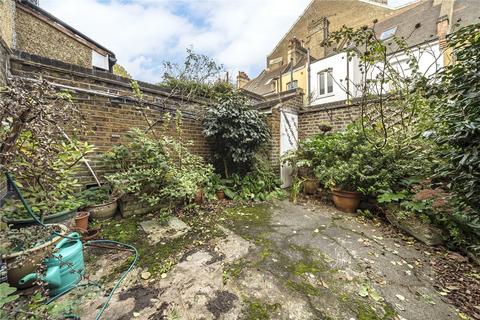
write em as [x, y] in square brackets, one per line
[288, 141]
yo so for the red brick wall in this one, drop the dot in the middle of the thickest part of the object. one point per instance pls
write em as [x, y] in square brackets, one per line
[110, 110]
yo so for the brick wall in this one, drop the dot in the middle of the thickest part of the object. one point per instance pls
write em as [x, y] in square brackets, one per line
[7, 22]
[110, 110]
[336, 116]
[36, 36]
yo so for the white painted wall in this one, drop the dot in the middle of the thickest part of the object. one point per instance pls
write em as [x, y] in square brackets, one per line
[429, 57]
[337, 65]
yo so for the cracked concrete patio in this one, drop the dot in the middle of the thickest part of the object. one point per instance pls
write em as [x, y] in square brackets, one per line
[286, 261]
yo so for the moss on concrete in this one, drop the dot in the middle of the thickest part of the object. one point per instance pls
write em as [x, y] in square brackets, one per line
[258, 310]
[157, 258]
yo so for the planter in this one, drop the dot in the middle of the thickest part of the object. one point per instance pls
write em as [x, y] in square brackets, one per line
[103, 211]
[90, 234]
[346, 201]
[130, 205]
[60, 217]
[81, 220]
[220, 195]
[310, 186]
[199, 196]
[30, 259]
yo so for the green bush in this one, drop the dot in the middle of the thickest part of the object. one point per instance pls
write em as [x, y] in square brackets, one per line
[235, 131]
[259, 184]
[157, 170]
[347, 161]
[456, 102]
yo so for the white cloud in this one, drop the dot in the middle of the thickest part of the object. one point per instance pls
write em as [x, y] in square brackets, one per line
[143, 33]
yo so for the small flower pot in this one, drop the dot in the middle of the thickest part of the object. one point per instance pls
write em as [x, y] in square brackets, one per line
[346, 201]
[220, 195]
[199, 196]
[81, 220]
[310, 186]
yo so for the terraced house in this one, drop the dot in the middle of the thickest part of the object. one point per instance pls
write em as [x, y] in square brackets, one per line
[301, 61]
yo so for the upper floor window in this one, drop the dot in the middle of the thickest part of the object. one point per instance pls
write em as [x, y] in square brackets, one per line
[388, 33]
[325, 82]
[292, 85]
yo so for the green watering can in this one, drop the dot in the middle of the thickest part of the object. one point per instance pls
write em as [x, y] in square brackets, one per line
[64, 269]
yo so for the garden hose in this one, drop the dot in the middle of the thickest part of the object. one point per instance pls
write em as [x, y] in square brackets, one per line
[91, 242]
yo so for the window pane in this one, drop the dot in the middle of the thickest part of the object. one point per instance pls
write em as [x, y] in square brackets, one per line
[329, 83]
[321, 82]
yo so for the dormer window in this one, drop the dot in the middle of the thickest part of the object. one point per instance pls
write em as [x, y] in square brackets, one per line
[387, 34]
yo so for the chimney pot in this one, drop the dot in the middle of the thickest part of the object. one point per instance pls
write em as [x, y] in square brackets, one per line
[242, 79]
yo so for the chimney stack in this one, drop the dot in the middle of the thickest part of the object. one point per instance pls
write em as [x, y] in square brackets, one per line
[35, 2]
[296, 51]
[242, 79]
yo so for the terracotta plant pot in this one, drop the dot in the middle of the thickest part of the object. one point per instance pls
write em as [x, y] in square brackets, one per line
[310, 186]
[90, 234]
[29, 260]
[81, 220]
[346, 201]
[103, 211]
[220, 195]
[199, 196]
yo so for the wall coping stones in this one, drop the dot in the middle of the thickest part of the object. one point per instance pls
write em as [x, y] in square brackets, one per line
[95, 74]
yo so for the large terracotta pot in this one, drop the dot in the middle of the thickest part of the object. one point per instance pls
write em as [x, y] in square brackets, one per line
[20, 264]
[310, 186]
[346, 201]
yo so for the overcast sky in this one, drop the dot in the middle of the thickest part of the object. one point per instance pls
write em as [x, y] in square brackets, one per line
[144, 33]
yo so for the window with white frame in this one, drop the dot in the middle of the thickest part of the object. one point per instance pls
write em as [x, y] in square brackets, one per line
[325, 82]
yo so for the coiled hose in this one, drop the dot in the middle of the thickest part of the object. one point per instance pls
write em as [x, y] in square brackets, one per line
[37, 220]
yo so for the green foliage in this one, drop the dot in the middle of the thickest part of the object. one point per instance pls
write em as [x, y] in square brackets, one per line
[456, 102]
[259, 184]
[94, 196]
[198, 77]
[235, 131]
[345, 160]
[49, 188]
[121, 71]
[159, 170]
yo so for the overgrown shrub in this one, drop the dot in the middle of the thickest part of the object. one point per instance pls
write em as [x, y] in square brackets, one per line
[456, 102]
[159, 170]
[235, 132]
[261, 183]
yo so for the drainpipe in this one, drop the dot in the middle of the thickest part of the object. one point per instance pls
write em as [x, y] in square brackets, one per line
[348, 80]
[308, 76]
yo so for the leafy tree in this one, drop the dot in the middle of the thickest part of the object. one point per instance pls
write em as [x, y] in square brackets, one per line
[235, 131]
[119, 70]
[199, 76]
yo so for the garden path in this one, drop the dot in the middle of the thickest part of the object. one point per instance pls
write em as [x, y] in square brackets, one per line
[286, 261]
